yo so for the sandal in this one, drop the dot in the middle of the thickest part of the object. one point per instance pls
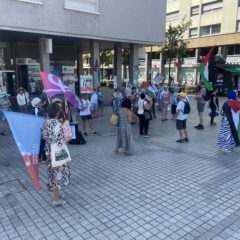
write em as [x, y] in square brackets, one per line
[58, 203]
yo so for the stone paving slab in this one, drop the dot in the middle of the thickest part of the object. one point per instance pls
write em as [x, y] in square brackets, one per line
[165, 190]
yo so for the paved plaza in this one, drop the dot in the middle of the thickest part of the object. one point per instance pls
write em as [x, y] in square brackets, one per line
[166, 190]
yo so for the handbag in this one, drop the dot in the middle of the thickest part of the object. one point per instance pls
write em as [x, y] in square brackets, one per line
[147, 115]
[134, 118]
[215, 115]
[67, 131]
[59, 155]
[114, 119]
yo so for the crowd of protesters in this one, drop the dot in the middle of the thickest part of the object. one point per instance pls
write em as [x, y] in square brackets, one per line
[130, 105]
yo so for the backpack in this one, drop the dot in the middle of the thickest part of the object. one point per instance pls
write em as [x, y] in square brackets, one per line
[187, 107]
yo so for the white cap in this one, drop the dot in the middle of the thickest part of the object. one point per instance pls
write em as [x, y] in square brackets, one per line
[35, 101]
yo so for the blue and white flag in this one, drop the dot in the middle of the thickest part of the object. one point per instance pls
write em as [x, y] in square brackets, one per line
[26, 130]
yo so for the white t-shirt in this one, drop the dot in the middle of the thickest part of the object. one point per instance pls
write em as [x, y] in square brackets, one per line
[86, 105]
[22, 99]
[141, 104]
[94, 98]
[180, 106]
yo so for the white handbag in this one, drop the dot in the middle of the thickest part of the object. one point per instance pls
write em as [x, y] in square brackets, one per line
[59, 155]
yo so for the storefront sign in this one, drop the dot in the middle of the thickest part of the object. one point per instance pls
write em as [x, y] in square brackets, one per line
[86, 83]
[26, 61]
[233, 59]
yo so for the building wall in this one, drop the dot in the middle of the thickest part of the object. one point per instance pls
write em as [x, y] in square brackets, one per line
[227, 16]
[129, 21]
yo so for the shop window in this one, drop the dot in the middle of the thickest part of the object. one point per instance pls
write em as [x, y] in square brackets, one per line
[31, 1]
[238, 26]
[172, 16]
[238, 3]
[210, 30]
[90, 6]
[193, 32]
[208, 7]
[194, 10]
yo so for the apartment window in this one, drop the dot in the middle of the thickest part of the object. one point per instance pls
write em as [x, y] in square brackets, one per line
[194, 10]
[193, 32]
[238, 26]
[172, 16]
[210, 30]
[208, 7]
[31, 1]
[90, 6]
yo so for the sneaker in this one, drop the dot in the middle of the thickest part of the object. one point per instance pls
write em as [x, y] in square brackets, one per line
[186, 139]
[94, 133]
[200, 127]
[58, 203]
[180, 141]
[197, 126]
[213, 124]
[147, 136]
[85, 134]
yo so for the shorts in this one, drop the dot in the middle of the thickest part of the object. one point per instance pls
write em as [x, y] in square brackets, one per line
[181, 124]
[200, 107]
[86, 117]
[94, 106]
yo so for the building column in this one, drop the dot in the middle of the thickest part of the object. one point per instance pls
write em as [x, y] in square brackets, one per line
[118, 64]
[95, 63]
[45, 48]
[148, 66]
[79, 70]
[196, 77]
[133, 64]
[161, 67]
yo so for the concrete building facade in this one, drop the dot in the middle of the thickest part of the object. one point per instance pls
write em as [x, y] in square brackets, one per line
[214, 23]
[43, 33]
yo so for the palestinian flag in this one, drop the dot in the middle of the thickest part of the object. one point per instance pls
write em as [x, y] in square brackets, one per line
[232, 111]
[150, 91]
[203, 70]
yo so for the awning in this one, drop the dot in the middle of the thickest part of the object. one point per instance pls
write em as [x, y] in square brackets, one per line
[235, 70]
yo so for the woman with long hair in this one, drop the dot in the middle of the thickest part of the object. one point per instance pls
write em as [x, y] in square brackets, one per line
[52, 133]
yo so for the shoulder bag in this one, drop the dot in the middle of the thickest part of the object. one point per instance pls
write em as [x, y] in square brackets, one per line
[59, 155]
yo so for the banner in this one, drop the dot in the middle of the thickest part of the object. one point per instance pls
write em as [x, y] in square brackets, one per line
[26, 130]
[86, 84]
[54, 86]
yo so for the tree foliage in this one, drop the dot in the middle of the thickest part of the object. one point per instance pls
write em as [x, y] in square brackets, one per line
[106, 57]
[174, 45]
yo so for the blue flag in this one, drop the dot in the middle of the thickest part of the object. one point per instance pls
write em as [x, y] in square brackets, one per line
[26, 130]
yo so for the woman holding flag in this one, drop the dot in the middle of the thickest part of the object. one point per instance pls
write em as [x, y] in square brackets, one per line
[52, 133]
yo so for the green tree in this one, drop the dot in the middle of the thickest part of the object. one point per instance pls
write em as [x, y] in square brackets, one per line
[175, 46]
[106, 58]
